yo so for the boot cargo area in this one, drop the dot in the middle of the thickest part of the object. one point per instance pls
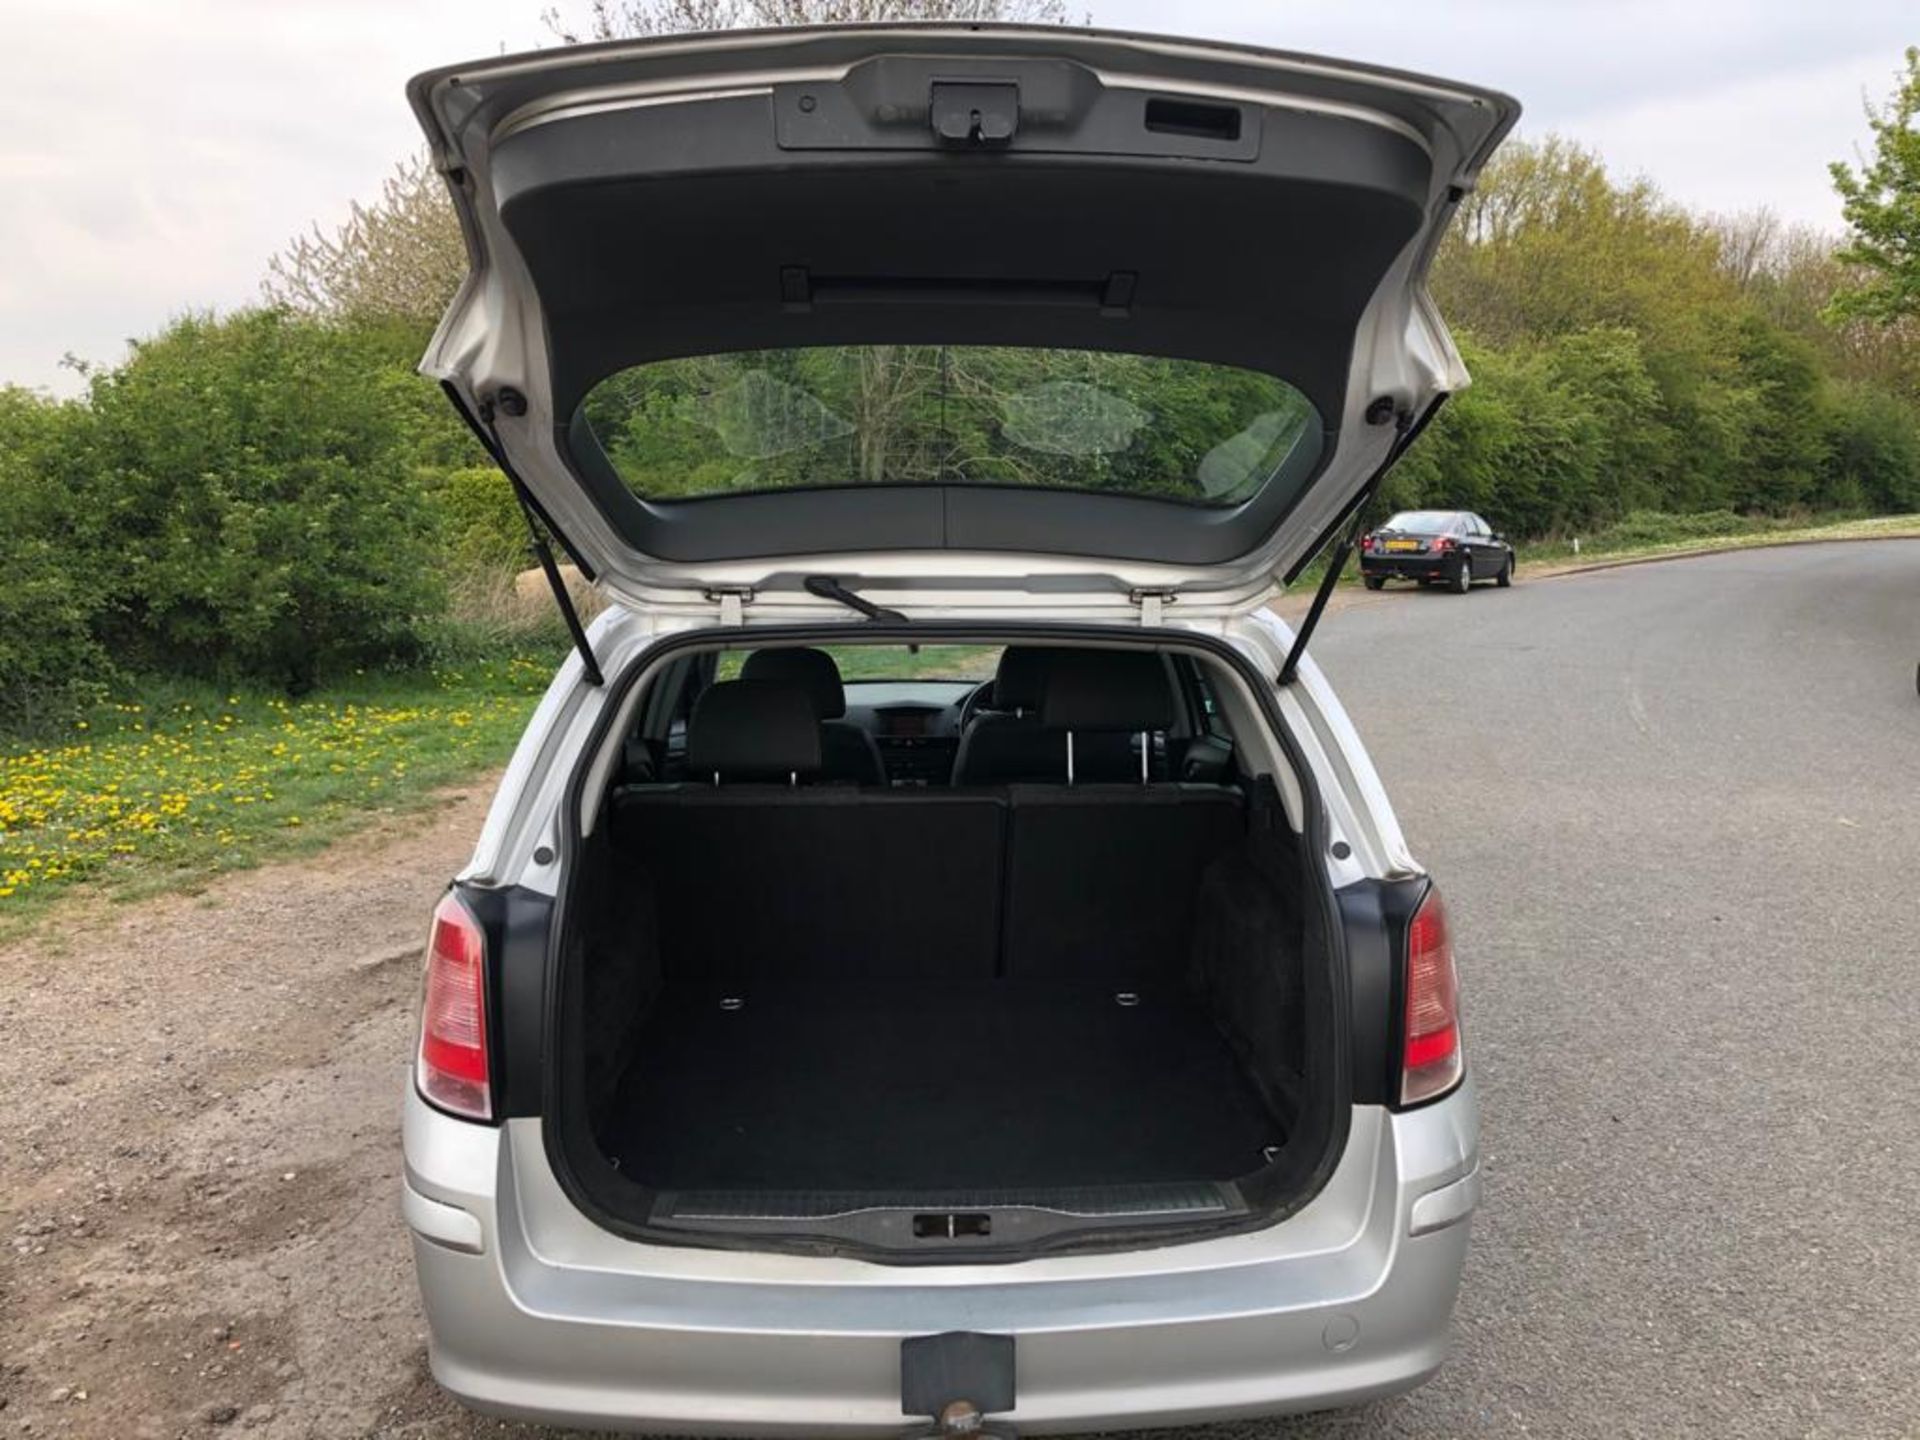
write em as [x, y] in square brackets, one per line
[899, 1016]
[935, 1091]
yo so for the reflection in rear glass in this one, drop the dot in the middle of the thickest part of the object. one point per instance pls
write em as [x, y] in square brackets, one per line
[935, 414]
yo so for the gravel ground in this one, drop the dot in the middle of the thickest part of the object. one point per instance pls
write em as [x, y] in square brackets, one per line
[199, 1102]
[1673, 810]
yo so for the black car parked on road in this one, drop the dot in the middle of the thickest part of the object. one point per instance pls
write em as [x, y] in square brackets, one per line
[1449, 547]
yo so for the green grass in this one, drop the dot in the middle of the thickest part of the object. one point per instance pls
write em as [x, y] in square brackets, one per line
[175, 781]
[1651, 533]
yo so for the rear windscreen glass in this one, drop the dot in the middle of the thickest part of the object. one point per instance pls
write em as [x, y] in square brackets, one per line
[1053, 419]
[1423, 522]
[858, 664]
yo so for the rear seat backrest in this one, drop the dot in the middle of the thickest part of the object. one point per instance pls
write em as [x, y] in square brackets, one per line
[1102, 877]
[785, 883]
[764, 885]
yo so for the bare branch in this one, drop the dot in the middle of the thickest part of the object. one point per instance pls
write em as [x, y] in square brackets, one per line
[401, 255]
[625, 19]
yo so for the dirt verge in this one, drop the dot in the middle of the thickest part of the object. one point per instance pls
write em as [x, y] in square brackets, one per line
[199, 1152]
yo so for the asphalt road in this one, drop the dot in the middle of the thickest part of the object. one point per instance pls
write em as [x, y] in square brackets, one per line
[1675, 810]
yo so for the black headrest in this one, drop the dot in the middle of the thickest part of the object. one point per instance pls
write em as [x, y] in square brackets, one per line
[636, 761]
[812, 670]
[1020, 682]
[1107, 690]
[753, 730]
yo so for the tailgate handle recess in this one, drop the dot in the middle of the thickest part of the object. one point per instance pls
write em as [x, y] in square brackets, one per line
[952, 1225]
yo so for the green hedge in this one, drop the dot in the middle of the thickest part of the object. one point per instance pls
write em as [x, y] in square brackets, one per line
[243, 497]
[50, 663]
[254, 508]
[480, 518]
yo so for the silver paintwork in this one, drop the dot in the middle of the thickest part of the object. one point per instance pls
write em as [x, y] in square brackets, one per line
[533, 1310]
[554, 1318]
[494, 336]
[558, 1320]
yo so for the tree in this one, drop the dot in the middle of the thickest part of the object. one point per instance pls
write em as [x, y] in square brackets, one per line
[1881, 201]
[1751, 243]
[400, 257]
[50, 664]
[624, 19]
[1549, 243]
[1786, 441]
[254, 505]
[1790, 275]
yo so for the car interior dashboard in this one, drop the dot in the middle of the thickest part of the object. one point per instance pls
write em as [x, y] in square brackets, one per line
[915, 723]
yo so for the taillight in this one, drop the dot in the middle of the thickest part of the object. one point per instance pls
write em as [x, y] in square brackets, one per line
[1430, 1062]
[1366, 542]
[453, 1072]
[1442, 545]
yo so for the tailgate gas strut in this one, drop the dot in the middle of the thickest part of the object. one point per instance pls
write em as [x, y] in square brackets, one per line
[1356, 513]
[512, 402]
[559, 586]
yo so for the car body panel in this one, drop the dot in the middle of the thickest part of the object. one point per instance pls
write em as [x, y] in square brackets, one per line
[557, 1320]
[1379, 361]
[536, 1312]
[533, 1309]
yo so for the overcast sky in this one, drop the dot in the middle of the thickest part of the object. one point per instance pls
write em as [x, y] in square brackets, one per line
[155, 153]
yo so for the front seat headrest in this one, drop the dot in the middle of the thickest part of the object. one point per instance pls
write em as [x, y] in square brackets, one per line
[1020, 680]
[812, 670]
[753, 730]
[1108, 690]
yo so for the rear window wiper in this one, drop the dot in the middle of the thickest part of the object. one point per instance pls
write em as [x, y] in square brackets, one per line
[828, 588]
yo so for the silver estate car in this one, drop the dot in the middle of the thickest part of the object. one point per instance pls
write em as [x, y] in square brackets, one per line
[940, 960]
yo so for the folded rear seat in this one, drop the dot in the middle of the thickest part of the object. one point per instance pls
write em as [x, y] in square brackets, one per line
[761, 876]
[1103, 879]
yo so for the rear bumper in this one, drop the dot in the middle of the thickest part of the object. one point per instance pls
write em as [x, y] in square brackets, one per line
[1409, 567]
[553, 1319]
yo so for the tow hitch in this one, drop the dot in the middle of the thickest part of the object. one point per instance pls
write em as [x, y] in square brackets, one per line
[961, 1419]
[957, 1381]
